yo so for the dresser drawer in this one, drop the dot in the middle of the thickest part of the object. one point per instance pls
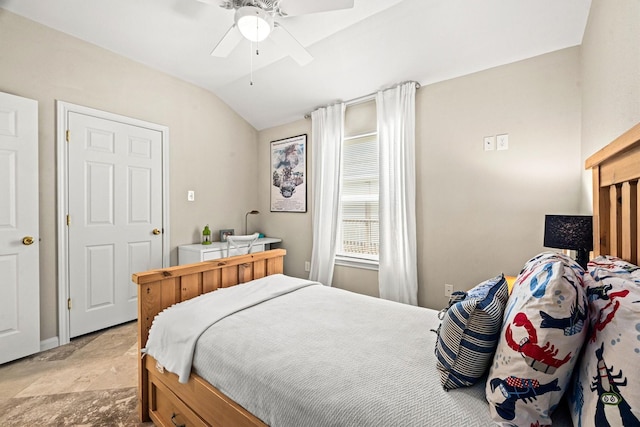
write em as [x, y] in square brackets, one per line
[209, 255]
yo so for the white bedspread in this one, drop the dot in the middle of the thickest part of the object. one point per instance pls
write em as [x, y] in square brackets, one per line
[320, 356]
[326, 357]
[173, 334]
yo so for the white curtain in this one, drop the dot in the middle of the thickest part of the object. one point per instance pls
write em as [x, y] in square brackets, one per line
[398, 272]
[327, 132]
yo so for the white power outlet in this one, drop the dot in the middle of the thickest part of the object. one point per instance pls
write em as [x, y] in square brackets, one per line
[191, 196]
[307, 266]
[448, 290]
[502, 141]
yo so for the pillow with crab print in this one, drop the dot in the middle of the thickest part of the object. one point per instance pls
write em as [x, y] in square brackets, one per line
[605, 389]
[544, 327]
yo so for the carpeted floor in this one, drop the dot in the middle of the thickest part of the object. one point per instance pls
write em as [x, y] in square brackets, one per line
[89, 382]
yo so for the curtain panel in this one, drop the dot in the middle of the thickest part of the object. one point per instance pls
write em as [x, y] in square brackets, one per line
[327, 131]
[398, 271]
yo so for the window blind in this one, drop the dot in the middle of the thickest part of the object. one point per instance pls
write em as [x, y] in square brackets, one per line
[359, 203]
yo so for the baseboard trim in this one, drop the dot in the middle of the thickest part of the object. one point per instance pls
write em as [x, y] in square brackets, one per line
[49, 343]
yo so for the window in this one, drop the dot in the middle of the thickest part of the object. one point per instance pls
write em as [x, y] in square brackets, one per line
[359, 240]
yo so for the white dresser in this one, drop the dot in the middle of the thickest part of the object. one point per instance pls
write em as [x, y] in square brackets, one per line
[188, 254]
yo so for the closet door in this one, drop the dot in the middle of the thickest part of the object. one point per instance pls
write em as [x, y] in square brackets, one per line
[115, 217]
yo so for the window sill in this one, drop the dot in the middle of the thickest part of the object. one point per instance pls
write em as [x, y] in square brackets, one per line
[348, 261]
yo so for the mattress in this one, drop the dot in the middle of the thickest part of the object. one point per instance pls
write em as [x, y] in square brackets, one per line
[322, 356]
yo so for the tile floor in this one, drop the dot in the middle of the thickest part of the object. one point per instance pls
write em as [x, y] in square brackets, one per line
[90, 382]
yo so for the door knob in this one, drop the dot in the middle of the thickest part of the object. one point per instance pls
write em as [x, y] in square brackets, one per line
[156, 231]
[27, 240]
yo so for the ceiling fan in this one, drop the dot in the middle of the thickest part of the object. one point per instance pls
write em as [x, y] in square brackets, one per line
[255, 21]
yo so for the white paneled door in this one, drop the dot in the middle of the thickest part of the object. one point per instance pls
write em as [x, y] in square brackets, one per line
[19, 259]
[115, 190]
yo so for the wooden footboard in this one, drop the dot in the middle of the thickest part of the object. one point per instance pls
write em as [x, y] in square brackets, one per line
[160, 396]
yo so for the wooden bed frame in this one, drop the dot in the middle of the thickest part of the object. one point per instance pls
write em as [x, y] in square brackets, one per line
[616, 169]
[161, 397]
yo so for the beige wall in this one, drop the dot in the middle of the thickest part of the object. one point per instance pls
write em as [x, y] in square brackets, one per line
[610, 78]
[478, 213]
[209, 143]
[481, 213]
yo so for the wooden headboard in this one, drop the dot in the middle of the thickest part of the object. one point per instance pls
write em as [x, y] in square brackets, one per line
[616, 169]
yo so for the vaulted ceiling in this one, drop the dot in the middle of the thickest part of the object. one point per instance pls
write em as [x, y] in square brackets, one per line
[356, 51]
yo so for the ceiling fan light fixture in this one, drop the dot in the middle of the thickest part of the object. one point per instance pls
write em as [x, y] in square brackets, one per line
[254, 23]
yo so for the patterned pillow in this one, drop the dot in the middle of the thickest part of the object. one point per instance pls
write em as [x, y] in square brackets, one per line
[542, 334]
[605, 389]
[469, 331]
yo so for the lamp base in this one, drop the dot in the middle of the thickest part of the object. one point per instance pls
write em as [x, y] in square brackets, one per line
[582, 258]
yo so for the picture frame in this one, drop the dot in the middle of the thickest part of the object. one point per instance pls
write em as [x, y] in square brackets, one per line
[288, 179]
[226, 232]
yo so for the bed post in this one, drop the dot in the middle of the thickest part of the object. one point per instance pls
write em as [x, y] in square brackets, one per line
[143, 334]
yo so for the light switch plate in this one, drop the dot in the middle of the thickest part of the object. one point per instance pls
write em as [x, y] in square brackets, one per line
[191, 195]
[503, 141]
[489, 143]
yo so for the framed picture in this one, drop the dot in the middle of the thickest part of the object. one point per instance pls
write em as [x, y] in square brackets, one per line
[225, 233]
[289, 174]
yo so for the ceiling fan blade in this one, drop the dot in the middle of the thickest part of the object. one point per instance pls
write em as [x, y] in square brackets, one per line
[227, 43]
[303, 7]
[291, 46]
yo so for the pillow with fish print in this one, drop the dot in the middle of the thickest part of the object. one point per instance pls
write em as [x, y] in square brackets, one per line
[544, 327]
[605, 389]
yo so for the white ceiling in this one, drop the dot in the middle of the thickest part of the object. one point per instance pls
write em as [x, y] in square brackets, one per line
[374, 45]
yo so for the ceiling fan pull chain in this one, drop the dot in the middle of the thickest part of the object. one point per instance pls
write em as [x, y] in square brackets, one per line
[258, 41]
[251, 50]
[251, 63]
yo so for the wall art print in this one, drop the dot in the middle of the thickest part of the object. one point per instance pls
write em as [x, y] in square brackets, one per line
[289, 174]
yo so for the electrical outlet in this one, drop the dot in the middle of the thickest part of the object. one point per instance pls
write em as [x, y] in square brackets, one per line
[448, 290]
[307, 266]
[191, 195]
[503, 141]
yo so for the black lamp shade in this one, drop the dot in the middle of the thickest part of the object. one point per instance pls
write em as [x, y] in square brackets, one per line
[573, 232]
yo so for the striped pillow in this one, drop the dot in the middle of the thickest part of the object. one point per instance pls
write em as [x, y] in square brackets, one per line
[469, 333]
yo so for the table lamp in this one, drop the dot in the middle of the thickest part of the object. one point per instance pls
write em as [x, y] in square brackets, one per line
[253, 212]
[574, 232]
